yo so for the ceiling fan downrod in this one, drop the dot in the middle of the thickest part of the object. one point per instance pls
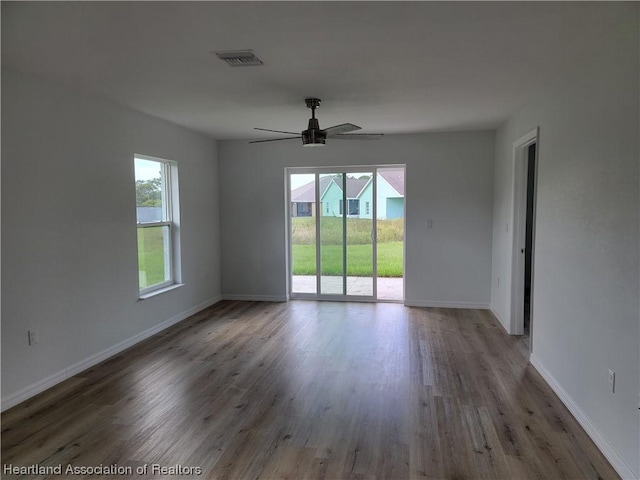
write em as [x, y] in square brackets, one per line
[313, 136]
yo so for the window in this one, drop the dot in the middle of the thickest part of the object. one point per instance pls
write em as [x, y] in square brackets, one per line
[157, 219]
[340, 207]
[354, 206]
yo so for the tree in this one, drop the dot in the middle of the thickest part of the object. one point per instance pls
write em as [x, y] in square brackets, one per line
[148, 193]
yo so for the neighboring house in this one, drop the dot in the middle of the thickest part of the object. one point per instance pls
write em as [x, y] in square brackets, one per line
[390, 196]
[303, 198]
[332, 199]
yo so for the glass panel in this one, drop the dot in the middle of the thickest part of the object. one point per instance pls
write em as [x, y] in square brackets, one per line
[390, 222]
[359, 239]
[149, 191]
[348, 213]
[303, 233]
[154, 264]
[331, 234]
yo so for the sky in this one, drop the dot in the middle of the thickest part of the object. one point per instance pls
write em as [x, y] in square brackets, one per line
[299, 179]
[146, 169]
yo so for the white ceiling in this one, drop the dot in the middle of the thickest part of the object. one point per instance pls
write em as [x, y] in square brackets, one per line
[391, 67]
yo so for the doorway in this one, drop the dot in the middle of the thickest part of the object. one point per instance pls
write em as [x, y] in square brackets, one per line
[525, 173]
[346, 233]
[528, 250]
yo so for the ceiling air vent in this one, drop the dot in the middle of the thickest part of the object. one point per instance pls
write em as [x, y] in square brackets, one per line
[240, 58]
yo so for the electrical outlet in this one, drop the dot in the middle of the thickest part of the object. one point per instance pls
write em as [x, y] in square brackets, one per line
[612, 381]
[34, 337]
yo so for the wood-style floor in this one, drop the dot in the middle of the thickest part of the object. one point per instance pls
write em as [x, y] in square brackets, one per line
[248, 390]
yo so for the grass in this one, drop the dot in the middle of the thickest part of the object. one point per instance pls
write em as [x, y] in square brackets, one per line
[390, 238]
[150, 256]
[390, 235]
[303, 230]
[358, 260]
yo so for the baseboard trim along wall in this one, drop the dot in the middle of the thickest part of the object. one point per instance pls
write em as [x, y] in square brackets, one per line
[473, 305]
[601, 442]
[58, 377]
[499, 318]
[255, 298]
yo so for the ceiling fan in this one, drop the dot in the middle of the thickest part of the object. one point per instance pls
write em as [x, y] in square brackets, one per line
[314, 136]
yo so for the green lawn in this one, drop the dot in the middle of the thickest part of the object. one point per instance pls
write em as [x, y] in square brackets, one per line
[150, 256]
[358, 260]
[390, 238]
[390, 233]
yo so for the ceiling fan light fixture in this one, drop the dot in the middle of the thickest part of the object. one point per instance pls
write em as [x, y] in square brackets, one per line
[313, 138]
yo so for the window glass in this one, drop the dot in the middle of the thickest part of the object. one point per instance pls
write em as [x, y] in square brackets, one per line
[354, 206]
[154, 256]
[155, 223]
[149, 188]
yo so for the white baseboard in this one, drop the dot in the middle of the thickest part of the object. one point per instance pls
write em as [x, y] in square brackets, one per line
[48, 382]
[473, 305]
[601, 442]
[254, 298]
[499, 318]
[495, 314]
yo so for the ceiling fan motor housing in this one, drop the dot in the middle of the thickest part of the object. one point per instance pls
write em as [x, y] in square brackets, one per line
[313, 136]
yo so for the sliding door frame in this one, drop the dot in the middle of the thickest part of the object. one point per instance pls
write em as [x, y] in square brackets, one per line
[317, 171]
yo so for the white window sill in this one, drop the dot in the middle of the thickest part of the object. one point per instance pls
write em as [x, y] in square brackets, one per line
[144, 296]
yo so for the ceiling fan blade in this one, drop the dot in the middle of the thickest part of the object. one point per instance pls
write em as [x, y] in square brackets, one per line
[277, 131]
[276, 139]
[359, 136]
[343, 128]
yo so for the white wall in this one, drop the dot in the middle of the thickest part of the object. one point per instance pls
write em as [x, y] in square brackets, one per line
[585, 305]
[69, 255]
[449, 180]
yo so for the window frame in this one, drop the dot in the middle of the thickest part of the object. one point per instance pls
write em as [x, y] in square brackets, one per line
[170, 219]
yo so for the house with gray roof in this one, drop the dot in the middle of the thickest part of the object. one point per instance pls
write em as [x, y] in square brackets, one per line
[359, 194]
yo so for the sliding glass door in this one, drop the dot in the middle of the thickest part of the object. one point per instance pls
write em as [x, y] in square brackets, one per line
[359, 235]
[346, 233]
[331, 239]
[303, 233]
[332, 233]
